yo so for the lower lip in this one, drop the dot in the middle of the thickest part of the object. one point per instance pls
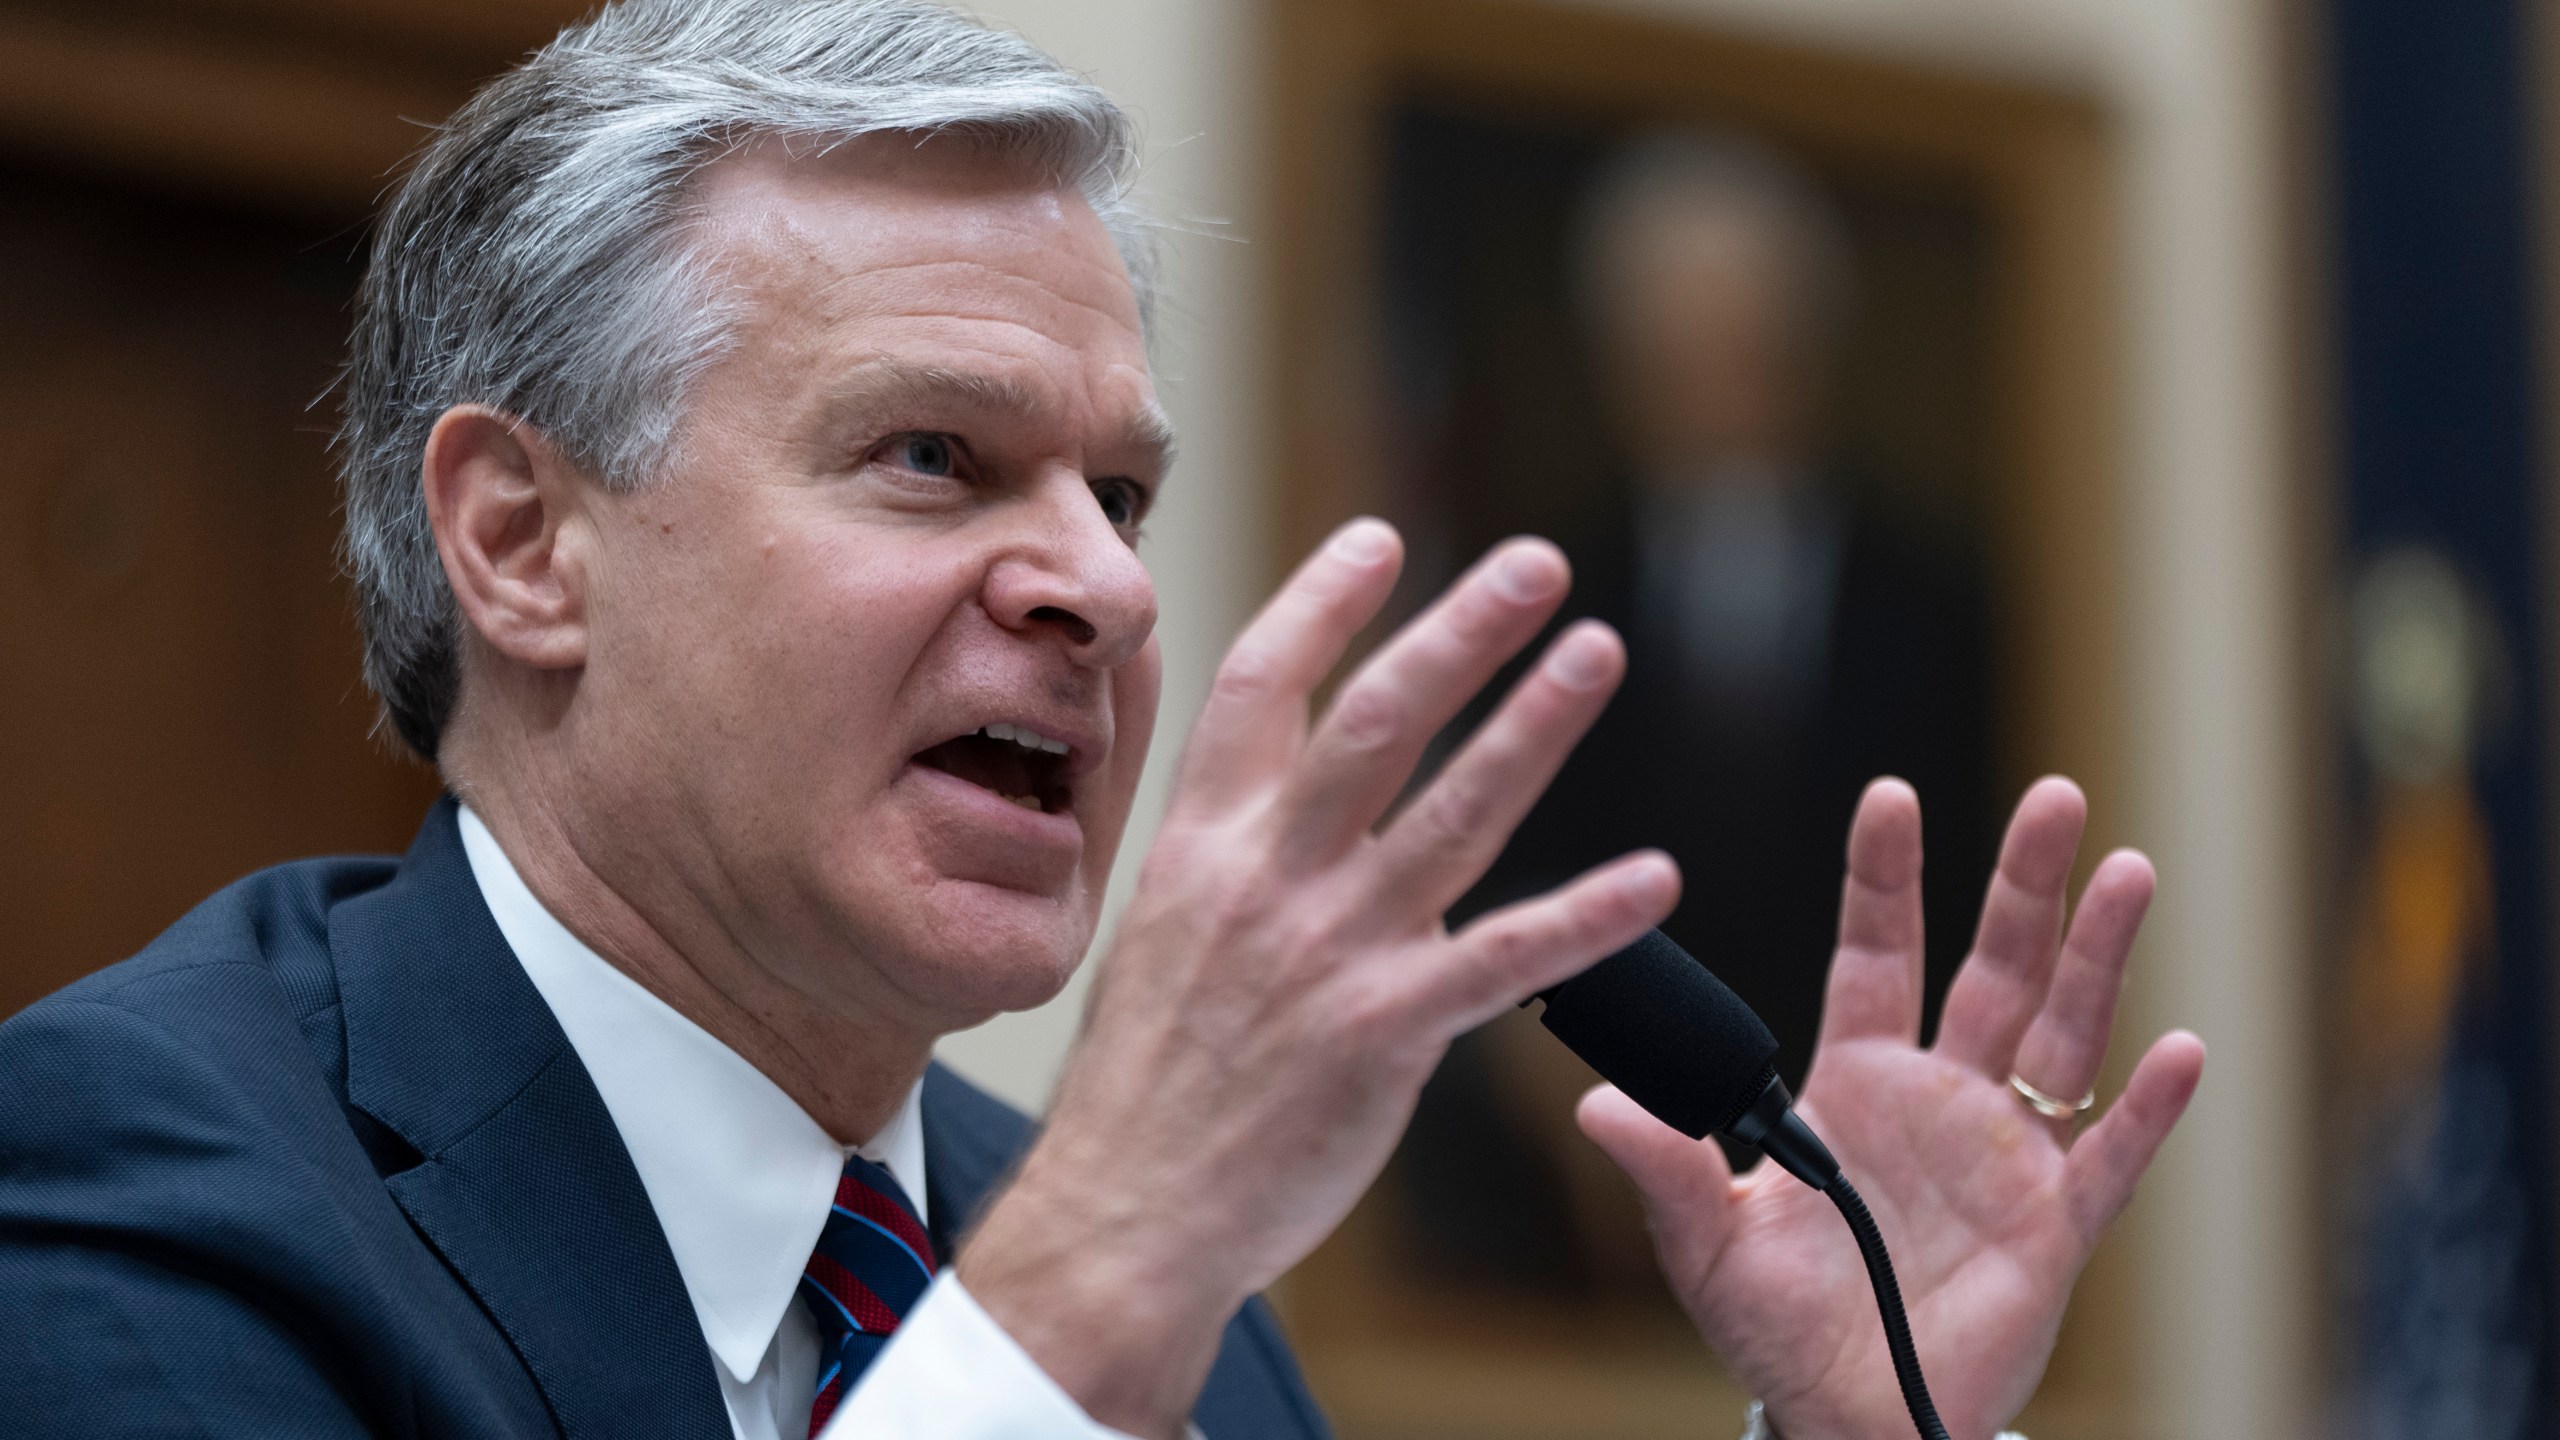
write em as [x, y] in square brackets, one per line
[982, 807]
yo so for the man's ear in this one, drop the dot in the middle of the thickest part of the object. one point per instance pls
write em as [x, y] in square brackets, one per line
[498, 495]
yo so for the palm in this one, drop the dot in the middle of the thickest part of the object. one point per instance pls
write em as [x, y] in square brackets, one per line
[1979, 1243]
[1988, 1208]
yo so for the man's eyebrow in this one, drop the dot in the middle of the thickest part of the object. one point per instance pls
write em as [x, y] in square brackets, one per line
[895, 385]
[1150, 432]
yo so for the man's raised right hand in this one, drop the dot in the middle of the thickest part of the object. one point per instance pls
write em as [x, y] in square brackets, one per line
[1281, 983]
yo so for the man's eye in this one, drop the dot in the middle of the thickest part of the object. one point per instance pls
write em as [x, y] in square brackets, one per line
[926, 452]
[1122, 501]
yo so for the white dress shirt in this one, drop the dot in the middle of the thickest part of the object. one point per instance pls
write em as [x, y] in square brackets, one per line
[742, 1179]
[1743, 568]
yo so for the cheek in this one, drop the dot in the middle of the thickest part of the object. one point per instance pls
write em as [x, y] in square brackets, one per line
[803, 655]
[848, 617]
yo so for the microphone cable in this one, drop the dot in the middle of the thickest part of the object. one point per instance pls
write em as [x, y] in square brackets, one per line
[1771, 1124]
[1673, 1037]
[1897, 1325]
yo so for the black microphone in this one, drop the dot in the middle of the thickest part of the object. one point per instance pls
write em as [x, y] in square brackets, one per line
[1661, 1027]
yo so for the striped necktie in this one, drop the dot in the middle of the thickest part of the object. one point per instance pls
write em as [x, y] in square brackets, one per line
[872, 1264]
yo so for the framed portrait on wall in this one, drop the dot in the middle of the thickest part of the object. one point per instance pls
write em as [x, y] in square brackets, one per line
[1802, 361]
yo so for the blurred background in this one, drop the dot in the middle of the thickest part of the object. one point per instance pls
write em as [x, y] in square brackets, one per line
[2153, 390]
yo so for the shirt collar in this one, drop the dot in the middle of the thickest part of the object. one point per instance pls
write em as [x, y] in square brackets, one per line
[740, 1176]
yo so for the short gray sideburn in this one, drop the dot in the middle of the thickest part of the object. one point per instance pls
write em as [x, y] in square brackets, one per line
[534, 258]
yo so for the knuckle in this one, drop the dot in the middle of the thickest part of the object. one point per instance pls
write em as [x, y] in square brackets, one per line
[1475, 618]
[1249, 673]
[1369, 717]
[1510, 948]
[1376, 1021]
[1369, 1020]
[1307, 933]
[1451, 818]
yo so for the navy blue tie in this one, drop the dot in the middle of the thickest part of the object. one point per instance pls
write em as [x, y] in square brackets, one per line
[872, 1264]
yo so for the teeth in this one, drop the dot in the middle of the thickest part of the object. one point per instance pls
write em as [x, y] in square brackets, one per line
[1025, 801]
[1026, 737]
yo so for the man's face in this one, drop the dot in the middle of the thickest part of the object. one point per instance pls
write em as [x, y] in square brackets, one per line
[873, 665]
[1706, 340]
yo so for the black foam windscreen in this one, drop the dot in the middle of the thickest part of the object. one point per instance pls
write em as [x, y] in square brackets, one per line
[1661, 1027]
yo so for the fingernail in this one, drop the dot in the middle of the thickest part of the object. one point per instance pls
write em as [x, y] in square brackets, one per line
[1363, 542]
[1581, 660]
[1527, 573]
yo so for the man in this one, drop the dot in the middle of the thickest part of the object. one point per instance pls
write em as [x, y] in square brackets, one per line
[1795, 629]
[749, 429]
[1788, 636]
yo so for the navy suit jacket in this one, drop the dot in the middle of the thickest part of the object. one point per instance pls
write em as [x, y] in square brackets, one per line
[319, 1162]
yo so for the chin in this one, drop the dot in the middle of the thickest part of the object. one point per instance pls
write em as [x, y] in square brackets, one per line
[980, 950]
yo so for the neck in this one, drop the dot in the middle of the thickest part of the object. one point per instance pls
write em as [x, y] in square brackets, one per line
[640, 911]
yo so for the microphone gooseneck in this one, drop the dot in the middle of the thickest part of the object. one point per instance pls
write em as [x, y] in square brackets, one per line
[1897, 1326]
[1661, 1027]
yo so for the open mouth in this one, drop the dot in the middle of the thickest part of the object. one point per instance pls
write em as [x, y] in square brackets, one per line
[1021, 765]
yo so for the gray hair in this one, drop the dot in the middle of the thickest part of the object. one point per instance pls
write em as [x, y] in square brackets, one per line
[536, 259]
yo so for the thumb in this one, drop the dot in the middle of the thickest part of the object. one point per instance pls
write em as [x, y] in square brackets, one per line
[1686, 1183]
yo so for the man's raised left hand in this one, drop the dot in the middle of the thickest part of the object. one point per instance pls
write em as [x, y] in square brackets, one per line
[1989, 1208]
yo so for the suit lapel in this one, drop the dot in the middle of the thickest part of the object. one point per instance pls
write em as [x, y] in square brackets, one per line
[525, 1190]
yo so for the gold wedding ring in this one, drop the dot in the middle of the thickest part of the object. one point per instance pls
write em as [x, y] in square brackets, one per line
[2047, 1105]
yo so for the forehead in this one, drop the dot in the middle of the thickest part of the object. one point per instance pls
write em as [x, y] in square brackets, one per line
[896, 242]
[1695, 240]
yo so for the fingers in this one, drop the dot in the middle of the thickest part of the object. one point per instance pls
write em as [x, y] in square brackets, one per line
[2067, 1041]
[1504, 957]
[2002, 984]
[2108, 1159]
[1444, 840]
[1365, 748]
[1257, 706]
[1686, 1180]
[1875, 981]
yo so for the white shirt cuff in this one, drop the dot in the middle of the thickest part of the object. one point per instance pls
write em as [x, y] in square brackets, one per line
[952, 1373]
[1755, 1426]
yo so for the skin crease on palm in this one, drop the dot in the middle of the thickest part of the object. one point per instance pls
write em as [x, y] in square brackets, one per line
[904, 505]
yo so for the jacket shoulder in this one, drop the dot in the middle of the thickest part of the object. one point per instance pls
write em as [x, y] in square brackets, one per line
[190, 1206]
[218, 1038]
[276, 921]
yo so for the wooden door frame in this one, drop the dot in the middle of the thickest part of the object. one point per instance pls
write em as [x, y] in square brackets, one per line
[1397, 1364]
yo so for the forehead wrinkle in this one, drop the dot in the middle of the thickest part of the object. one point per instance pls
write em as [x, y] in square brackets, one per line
[842, 276]
[792, 239]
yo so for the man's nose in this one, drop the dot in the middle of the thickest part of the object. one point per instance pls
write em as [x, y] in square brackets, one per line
[1075, 579]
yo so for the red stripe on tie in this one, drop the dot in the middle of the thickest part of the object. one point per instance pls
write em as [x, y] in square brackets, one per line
[888, 1214]
[868, 1310]
[824, 1406]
